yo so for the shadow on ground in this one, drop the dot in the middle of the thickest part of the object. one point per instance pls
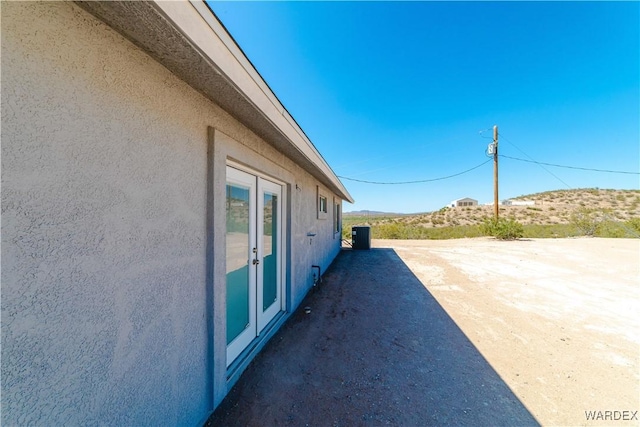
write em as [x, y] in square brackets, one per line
[376, 348]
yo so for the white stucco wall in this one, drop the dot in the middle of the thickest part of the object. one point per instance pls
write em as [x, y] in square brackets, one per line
[104, 200]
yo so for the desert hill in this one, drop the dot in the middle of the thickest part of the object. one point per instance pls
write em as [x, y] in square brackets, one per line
[548, 208]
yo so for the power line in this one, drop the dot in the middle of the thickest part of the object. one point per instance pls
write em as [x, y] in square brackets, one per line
[569, 167]
[630, 230]
[541, 164]
[415, 182]
[545, 169]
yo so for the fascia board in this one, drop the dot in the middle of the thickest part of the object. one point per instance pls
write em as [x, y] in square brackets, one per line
[195, 47]
[205, 31]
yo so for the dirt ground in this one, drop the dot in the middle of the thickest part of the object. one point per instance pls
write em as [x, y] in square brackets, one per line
[557, 319]
[457, 332]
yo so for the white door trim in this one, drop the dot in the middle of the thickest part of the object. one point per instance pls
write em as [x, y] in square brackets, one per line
[259, 319]
[239, 343]
[264, 317]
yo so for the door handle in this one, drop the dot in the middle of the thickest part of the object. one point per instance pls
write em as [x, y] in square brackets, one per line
[256, 262]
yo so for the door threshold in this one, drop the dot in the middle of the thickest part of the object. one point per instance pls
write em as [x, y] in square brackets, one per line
[235, 369]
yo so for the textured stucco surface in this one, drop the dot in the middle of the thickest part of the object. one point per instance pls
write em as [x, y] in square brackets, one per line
[195, 46]
[104, 201]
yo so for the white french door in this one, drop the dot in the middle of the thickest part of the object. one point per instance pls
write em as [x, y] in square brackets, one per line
[253, 256]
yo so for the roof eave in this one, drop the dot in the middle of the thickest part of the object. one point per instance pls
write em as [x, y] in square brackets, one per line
[188, 40]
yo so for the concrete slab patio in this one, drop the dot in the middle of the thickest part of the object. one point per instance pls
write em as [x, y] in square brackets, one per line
[464, 332]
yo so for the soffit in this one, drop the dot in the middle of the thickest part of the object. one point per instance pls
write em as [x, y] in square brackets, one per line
[195, 47]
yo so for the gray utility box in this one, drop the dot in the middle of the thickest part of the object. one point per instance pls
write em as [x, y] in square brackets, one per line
[361, 237]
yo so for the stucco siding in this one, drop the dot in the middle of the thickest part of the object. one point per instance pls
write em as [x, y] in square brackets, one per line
[104, 201]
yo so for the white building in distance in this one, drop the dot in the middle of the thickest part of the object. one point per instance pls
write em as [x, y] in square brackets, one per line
[464, 202]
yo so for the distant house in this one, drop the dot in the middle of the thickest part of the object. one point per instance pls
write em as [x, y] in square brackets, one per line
[463, 203]
[157, 203]
[510, 202]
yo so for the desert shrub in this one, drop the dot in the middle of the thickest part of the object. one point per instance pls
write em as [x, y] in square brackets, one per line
[634, 224]
[390, 231]
[625, 229]
[406, 231]
[612, 229]
[457, 232]
[548, 230]
[502, 228]
[586, 220]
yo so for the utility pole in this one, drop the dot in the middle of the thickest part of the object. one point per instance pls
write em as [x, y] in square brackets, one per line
[495, 172]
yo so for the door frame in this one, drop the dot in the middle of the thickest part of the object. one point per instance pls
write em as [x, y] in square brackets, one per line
[240, 342]
[258, 182]
[265, 317]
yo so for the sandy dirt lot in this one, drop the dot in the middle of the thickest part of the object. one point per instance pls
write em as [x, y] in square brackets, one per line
[557, 319]
[459, 332]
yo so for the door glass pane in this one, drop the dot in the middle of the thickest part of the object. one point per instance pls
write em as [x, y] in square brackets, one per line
[270, 256]
[237, 260]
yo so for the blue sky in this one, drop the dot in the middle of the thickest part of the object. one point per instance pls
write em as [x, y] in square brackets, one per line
[402, 91]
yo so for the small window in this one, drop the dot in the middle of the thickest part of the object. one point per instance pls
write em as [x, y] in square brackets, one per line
[322, 204]
[337, 220]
